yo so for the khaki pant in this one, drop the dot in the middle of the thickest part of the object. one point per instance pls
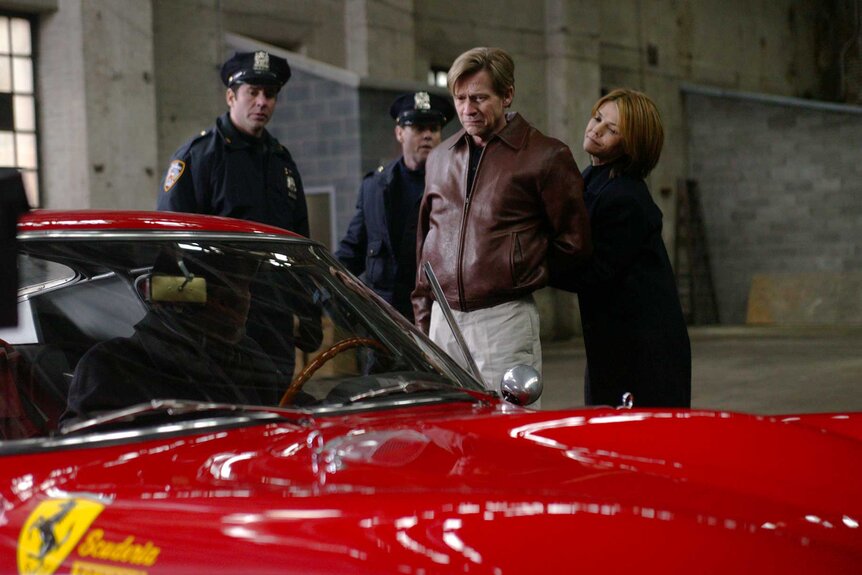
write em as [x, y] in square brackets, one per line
[498, 337]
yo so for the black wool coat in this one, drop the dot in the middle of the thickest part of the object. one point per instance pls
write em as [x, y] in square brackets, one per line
[634, 329]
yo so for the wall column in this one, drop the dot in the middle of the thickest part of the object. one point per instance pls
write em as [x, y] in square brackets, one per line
[63, 134]
[381, 38]
[573, 85]
[97, 59]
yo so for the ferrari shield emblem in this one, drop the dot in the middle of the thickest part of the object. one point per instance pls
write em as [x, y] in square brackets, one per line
[175, 170]
[52, 531]
[290, 183]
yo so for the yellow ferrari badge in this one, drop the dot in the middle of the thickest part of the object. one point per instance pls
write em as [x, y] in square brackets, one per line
[52, 531]
[175, 170]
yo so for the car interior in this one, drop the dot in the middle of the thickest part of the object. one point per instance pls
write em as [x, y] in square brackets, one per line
[36, 372]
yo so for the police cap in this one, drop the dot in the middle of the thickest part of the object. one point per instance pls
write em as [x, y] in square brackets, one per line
[421, 108]
[255, 68]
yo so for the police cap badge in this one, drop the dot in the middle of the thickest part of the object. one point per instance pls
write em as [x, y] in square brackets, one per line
[421, 108]
[258, 67]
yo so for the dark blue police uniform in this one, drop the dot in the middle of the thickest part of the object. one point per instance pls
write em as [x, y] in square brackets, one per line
[387, 261]
[225, 172]
[380, 243]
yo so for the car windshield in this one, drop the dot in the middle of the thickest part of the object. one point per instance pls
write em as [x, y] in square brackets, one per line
[111, 322]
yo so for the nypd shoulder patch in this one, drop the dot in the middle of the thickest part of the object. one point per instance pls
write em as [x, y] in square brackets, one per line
[175, 170]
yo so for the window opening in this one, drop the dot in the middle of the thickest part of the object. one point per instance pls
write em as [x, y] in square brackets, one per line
[437, 76]
[18, 137]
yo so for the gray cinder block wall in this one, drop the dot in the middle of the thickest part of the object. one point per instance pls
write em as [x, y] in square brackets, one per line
[781, 187]
[318, 121]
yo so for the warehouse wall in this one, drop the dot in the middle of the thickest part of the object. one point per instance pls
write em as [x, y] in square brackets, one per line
[122, 83]
[780, 182]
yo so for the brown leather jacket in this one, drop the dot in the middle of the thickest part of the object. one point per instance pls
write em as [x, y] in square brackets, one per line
[491, 245]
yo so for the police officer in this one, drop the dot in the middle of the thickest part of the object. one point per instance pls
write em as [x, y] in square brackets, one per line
[381, 239]
[236, 168]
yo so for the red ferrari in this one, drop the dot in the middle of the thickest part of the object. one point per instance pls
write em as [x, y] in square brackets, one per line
[189, 394]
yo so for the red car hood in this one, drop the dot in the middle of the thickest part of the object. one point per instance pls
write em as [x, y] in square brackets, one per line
[454, 489]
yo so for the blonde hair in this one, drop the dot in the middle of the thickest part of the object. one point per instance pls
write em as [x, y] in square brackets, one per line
[641, 131]
[496, 61]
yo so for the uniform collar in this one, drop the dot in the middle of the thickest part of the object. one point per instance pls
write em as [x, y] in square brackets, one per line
[236, 139]
[420, 173]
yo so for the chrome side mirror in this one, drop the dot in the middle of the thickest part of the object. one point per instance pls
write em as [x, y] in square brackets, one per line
[628, 401]
[521, 385]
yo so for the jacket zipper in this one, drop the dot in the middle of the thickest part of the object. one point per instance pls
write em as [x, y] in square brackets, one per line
[462, 302]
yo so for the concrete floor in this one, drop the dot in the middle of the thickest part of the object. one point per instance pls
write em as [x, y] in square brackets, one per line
[741, 368]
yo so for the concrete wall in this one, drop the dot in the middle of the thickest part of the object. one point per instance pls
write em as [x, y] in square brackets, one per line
[805, 298]
[65, 173]
[377, 129]
[187, 57]
[773, 47]
[120, 100]
[780, 183]
[319, 122]
[96, 105]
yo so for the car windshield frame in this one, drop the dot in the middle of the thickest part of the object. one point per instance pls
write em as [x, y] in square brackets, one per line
[352, 306]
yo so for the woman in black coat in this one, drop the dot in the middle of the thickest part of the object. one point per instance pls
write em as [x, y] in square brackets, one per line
[634, 330]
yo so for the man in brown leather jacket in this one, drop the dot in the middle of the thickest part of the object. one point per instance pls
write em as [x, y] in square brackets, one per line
[499, 198]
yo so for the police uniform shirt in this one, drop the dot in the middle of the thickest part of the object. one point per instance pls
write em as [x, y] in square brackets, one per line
[224, 172]
[405, 197]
